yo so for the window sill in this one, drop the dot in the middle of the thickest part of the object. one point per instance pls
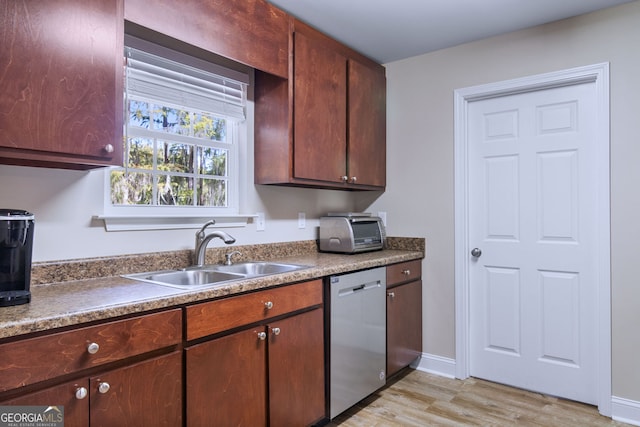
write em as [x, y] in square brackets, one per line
[170, 222]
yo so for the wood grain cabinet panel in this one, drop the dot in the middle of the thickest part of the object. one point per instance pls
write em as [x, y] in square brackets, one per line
[296, 369]
[404, 315]
[267, 373]
[320, 111]
[61, 83]
[403, 272]
[148, 393]
[326, 126]
[252, 32]
[37, 359]
[76, 411]
[224, 314]
[367, 141]
[226, 381]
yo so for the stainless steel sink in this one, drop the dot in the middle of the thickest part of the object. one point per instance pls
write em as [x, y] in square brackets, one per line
[258, 268]
[212, 275]
[186, 279]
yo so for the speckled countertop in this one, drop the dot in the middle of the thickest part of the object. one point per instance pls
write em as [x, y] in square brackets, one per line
[68, 293]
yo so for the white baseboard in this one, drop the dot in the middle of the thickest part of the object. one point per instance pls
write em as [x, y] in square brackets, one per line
[622, 410]
[625, 410]
[437, 365]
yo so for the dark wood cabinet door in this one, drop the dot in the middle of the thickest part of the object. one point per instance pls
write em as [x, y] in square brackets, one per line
[76, 411]
[61, 82]
[226, 381]
[320, 111]
[296, 370]
[367, 125]
[148, 393]
[404, 325]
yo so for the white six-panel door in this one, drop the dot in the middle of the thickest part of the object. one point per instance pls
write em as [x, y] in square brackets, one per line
[532, 209]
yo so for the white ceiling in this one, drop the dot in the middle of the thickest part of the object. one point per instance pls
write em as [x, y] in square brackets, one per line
[389, 30]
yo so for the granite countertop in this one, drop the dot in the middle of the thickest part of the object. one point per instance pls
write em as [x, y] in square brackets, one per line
[72, 302]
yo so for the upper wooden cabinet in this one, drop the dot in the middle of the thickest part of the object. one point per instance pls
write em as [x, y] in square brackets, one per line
[367, 141]
[252, 32]
[325, 127]
[61, 83]
[319, 110]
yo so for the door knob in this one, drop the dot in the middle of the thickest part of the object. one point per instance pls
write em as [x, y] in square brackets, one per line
[476, 252]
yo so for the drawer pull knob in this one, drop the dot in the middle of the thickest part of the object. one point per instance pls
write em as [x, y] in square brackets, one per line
[262, 336]
[275, 331]
[406, 272]
[344, 178]
[391, 294]
[108, 148]
[93, 348]
[103, 387]
[268, 305]
[81, 393]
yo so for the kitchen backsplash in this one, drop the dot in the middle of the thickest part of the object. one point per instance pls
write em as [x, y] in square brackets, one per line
[88, 268]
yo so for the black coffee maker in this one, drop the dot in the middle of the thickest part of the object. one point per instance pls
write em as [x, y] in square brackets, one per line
[16, 243]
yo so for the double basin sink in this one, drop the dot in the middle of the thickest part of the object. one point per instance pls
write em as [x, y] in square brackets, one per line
[213, 275]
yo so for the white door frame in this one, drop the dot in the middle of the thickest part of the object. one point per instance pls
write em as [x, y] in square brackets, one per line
[599, 75]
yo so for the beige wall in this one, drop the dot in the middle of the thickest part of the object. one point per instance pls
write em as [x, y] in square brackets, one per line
[420, 193]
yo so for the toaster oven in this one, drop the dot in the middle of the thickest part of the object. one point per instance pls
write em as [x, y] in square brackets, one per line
[351, 233]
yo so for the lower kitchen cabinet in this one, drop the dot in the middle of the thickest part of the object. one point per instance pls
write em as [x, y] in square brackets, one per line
[226, 381]
[76, 409]
[271, 373]
[109, 374]
[296, 369]
[404, 315]
[148, 393]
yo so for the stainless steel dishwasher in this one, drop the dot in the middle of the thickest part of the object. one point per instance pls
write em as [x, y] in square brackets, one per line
[357, 337]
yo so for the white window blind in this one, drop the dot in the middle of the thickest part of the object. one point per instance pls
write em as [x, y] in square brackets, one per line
[170, 77]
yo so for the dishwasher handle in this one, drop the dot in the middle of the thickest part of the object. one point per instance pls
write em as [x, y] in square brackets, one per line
[359, 288]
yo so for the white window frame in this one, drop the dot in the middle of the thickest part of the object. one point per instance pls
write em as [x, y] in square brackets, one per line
[144, 217]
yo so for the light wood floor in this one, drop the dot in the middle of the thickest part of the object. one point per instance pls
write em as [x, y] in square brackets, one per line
[421, 399]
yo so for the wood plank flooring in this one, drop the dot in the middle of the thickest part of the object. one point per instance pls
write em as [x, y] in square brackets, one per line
[417, 398]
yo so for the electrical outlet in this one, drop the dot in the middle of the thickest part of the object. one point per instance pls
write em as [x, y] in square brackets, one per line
[383, 217]
[260, 222]
[302, 220]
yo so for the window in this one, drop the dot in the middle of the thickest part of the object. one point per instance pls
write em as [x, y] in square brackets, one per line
[183, 118]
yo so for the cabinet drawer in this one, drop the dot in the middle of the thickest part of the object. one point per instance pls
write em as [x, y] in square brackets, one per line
[220, 315]
[403, 272]
[36, 359]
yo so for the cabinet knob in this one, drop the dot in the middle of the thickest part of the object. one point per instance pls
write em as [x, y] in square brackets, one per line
[81, 393]
[391, 294]
[354, 179]
[262, 336]
[344, 178]
[108, 148]
[268, 305]
[103, 387]
[93, 348]
[275, 331]
[406, 272]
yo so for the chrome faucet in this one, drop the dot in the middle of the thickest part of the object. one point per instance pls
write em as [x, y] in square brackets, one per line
[203, 240]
